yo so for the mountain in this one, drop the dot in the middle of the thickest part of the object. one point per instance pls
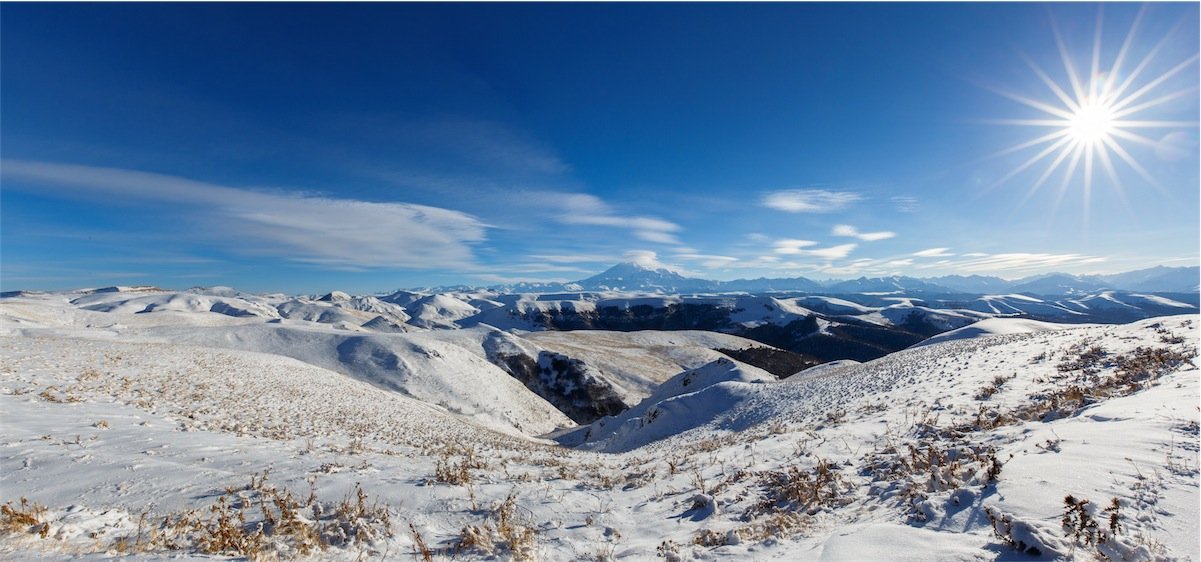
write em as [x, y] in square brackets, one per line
[764, 284]
[631, 276]
[974, 284]
[886, 284]
[1160, 278]
[1155, 279]
[1059, 284]
[635, 277]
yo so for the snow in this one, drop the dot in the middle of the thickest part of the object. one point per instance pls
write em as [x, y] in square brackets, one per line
[941, 319]
[824, 368]
[640, 361]
[109, 416]
[900, 543]
[1162, 301]
[683, 402]
[993, 327]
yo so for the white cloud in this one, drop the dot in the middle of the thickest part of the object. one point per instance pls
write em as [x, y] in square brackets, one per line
[845, 230]
[576, 258]
[899, 263]
[850, 231]
[589, 210]
[833, 252]
[1019, 262]
[792, 246]
[933, 253]
[647, 258]
[708, 260]
[657, 237]
[809, 200]
[905, 203]
[301, 227]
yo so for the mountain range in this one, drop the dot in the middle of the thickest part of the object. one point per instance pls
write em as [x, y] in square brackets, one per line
[631, 276]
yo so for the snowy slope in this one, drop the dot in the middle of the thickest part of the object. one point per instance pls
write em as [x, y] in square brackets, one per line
[418, 365]
[993, 327]
[640, 361]
[684, 402]
[964, 450]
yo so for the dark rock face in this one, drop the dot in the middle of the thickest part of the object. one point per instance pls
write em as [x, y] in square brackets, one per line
[859, 342]
[775, 361]
[639, 317]
[850, 339]
[570, 385]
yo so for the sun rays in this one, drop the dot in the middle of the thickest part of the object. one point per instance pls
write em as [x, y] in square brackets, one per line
[1088, 123]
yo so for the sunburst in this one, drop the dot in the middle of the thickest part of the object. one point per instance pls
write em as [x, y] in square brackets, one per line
[1093, 118]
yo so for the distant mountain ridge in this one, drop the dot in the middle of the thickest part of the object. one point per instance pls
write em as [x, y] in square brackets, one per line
[629, 276]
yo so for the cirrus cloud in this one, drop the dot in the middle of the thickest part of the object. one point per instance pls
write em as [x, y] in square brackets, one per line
[301, 227]
[792, 245]
[934, 253]
[809, 200]
[589, 210]
[850, 231]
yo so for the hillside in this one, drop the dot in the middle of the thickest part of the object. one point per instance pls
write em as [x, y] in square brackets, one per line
[124, 444]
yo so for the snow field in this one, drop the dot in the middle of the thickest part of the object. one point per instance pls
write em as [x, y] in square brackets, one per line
[963, 450]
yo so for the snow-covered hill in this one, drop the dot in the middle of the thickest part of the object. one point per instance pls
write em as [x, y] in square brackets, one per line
[190, 432]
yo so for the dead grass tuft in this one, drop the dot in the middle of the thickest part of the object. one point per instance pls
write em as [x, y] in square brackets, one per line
[26, 517]
[503, 532]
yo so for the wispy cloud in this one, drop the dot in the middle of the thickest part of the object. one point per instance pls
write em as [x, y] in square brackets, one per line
[852, 232]
[792, 245]
[403, 148]
[809, 200]
[576, 258]
[708, 260]
[657, 237]
[934, 253]
[905, 203]
[589, 210]
[302, 227]
[1020, 262]
[495, 143]
[647, 258]
[507, 280]
[833, 252]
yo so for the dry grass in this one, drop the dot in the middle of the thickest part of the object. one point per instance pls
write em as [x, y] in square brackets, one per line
[503, 532]
[261, 521]
[420, 548]
[1079, 521]
[457, 472]
[806, 491]
[26, 517]
[992, 388]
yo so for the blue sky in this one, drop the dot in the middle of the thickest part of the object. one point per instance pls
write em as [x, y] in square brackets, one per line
[366, 147]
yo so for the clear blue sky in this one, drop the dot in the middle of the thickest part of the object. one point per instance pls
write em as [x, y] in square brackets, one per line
[365, 147]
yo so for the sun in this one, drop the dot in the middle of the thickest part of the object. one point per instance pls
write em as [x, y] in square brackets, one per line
[1088, 122]
[1093, 122]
